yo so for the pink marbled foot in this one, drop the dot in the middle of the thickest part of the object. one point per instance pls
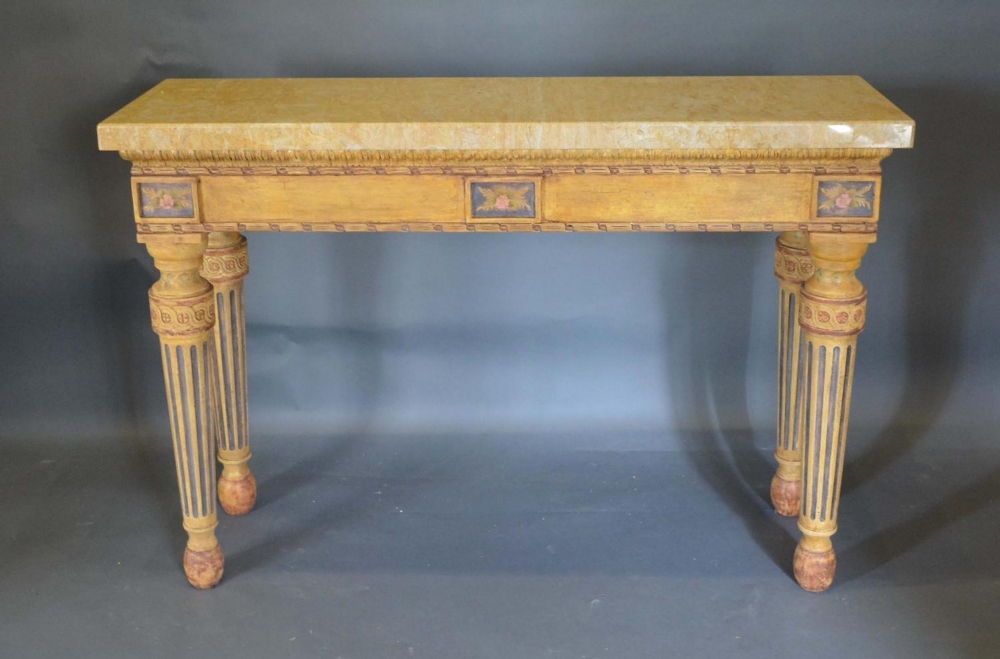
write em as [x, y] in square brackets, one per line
[238, 496]
[204, 568]
[786, 496]
[814, 570]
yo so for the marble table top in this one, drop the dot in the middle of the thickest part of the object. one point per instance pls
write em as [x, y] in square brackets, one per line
[624, 113]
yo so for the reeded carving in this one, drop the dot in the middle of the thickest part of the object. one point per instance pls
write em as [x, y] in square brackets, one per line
[187, 374]
[225, 265]
[792, 265]
[183, 315]
[831, 314]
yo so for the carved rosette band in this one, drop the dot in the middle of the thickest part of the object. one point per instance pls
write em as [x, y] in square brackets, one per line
[185, 317]
[833, 317]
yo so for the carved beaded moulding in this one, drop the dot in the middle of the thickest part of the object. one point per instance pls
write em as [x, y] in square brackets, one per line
[515, 161]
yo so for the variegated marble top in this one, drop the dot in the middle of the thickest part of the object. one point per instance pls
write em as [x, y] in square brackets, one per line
[347, 114]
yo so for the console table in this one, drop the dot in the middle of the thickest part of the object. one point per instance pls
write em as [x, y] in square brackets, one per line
[214, 158]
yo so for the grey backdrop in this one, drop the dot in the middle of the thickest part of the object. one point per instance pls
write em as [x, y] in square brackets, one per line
[668, 334]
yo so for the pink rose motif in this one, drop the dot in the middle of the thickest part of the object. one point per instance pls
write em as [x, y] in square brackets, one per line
[502, 203]
[843, 200]
[166, 201]
[842, 317]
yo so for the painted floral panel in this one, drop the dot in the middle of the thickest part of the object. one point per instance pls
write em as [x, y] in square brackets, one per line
[846, 199]
[166, 199]
[503, 199]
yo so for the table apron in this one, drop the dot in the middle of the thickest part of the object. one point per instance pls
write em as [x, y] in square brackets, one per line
[565, 201]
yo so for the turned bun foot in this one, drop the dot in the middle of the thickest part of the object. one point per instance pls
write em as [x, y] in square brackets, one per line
[814, 570]
[238, 496]
[786, 496]
[203, 568]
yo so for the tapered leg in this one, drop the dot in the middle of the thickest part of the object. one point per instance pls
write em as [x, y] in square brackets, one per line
[792, 266]
[832, 314]
[183, 314]
[225, 266]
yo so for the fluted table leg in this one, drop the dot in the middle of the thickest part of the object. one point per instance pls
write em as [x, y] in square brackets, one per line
[226, 266]
[183, 314]
[832, 314]
[792, 266]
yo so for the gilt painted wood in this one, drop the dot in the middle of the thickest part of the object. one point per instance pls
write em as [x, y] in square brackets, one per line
[183, 314]
[225, 265]
[792, 266]
[213, 159]
[832, 310]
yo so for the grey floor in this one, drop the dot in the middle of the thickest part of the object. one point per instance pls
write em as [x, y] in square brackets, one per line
[510, 546]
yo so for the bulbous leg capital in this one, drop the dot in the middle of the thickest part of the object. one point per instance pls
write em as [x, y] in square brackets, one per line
[238, 495]
[204, 568]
